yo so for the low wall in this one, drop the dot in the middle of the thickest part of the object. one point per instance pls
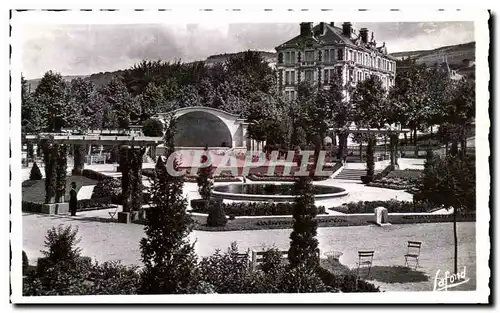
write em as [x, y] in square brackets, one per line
[324, 220]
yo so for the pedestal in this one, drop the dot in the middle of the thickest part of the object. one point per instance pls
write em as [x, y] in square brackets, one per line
[55, 208]
[124, 217]
[381, 216]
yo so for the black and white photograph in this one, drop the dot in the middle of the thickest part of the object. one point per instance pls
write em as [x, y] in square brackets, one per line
[250, 156]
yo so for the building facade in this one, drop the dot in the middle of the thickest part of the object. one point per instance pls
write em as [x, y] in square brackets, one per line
[320, 51]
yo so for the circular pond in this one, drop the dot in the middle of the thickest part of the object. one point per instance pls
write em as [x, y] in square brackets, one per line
[270, 191]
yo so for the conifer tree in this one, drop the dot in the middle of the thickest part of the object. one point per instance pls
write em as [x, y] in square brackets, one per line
[168, 256]
[204, 179]
[304, 245]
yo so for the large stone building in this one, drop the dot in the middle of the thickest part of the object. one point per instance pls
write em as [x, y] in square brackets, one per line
[317, 52]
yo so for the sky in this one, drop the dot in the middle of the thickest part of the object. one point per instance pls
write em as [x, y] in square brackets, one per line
[86, 49]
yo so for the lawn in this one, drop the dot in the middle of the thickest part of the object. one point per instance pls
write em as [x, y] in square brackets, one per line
[34, 191]
[384, 274]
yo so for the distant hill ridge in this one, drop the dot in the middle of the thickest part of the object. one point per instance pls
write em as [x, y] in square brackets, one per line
[455, 55]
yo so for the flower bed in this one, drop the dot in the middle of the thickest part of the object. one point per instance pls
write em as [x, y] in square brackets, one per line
[263, 177]
[399, 180]
[392, 206]
[94, 204]
[223, 178]
[250, 208]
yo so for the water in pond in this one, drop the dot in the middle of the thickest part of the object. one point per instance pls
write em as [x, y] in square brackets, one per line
[271, 189]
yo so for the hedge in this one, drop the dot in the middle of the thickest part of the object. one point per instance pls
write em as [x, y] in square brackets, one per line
[94, 204]
[392, 206]
[31, 207]
[250, 208]
[94, 175]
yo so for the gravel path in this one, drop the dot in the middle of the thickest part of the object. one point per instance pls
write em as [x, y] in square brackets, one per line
[113, 241]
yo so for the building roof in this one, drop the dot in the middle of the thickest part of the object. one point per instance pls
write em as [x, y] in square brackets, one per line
[333, 35]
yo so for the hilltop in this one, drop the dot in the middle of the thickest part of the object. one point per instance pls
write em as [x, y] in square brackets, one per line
[455, 54]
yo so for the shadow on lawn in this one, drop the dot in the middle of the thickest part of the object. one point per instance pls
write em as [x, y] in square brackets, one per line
[397, 274]
[383, 274]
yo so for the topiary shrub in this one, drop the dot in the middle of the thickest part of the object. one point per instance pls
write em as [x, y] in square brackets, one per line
[216, 216]
[35, 173]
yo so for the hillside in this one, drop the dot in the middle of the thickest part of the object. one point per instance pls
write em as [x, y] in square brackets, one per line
[455, 54]
[34, 82]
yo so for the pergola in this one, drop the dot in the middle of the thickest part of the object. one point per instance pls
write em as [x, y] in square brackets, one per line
[389, 131]
[132, 150]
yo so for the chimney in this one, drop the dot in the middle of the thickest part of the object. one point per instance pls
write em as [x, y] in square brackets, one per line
[364, 35]
[322, 28]
[306, 29]
[347, 29]
[332, 24]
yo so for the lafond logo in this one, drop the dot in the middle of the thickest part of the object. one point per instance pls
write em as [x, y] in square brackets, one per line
[447, 281]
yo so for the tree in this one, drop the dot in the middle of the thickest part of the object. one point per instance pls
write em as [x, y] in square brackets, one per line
[460, 112]
[35, 173]
[31, 111]
[168, 257]
[120, 106]
[152, 127]
[339, 111]
[52, 96]
[151, 101]
[450, 182]
[304, 245]
[369, 99]
[83, 98]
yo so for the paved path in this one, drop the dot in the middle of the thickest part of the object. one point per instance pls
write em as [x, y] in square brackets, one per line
[85, 192]
[120, 242]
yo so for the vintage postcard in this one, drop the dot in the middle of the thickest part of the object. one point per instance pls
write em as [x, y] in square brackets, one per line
[247, 156]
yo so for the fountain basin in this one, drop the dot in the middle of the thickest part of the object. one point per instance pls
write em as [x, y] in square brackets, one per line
[279, 192]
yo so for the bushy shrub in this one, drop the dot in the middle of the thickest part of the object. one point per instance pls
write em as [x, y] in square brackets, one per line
[114, 278]
[35, 173]
[216, 215]
[392, 206]
[152, 127]
[251, 208]
[344, 283]
[201, 205]
[63, 271]
[226, 272]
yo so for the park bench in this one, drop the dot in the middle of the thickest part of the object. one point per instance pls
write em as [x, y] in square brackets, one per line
[413, 252]
[365, 261]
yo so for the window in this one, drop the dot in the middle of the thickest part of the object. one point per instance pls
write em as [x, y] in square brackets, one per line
[292, 95]
[355, 57]
[378, 63]
[351, 75]
[309, 56]
[340, 54]
[289, 77]
[309, 76]
[326, 57]
[290, 57]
